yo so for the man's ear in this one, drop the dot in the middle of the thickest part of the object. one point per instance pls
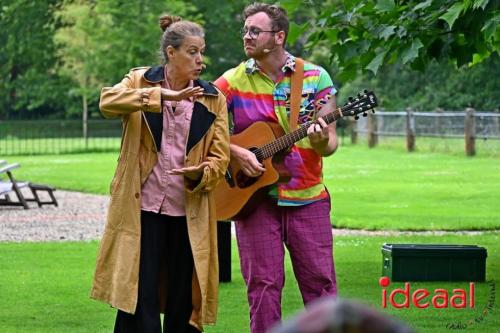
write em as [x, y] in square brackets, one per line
[280, 38]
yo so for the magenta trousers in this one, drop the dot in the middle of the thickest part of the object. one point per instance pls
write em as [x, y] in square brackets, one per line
[307, 233]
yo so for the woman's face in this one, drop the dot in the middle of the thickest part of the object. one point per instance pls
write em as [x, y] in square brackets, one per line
[188, 58]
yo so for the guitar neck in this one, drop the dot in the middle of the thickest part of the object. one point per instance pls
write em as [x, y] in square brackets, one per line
[289, 139]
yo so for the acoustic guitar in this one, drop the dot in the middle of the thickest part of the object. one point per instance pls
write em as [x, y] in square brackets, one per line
[236, 195]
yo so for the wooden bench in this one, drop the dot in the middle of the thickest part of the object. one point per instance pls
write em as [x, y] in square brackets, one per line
[12, 185]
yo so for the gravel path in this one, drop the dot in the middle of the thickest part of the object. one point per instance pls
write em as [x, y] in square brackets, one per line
[82, 217]
[79, 217]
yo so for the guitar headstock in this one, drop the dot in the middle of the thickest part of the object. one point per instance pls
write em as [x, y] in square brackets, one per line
[360, 104]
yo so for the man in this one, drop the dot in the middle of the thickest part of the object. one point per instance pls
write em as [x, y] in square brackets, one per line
[296, 213]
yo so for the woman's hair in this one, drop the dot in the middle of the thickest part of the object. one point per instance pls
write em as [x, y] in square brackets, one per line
[175, 30]
[278, 15]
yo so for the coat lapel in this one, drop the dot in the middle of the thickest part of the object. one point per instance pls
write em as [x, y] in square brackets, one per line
[155, 123]
[201, 121]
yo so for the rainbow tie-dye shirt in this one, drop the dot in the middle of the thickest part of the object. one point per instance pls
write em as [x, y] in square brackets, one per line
[252, 96]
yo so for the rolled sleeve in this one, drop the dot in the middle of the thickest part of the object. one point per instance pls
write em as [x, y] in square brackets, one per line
[124, 98]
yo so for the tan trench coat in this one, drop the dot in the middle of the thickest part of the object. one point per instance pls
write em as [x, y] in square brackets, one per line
[137, 101]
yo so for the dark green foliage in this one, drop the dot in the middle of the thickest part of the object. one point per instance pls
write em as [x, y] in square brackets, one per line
[224, 47]
[58, 53]
[28, 81]
[364, 35]
[439, 86]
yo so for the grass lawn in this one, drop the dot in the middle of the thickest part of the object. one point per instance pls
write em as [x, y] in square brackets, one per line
[90, 172]
[371, 188]
[44, 287]
[387, 189]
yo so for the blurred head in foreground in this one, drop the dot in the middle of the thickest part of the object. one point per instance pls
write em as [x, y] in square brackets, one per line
[329, 315]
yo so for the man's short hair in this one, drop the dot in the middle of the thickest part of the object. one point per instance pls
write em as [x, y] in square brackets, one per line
[278, 15]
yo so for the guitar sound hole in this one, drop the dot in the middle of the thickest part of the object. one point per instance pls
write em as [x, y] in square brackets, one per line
[243, 180]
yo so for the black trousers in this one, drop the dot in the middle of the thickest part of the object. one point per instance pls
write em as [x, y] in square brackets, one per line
[164, 243]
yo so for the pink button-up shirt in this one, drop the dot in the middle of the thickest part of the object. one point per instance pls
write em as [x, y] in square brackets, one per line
[163, 192]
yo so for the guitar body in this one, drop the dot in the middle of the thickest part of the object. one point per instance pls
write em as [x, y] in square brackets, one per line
[235, 196]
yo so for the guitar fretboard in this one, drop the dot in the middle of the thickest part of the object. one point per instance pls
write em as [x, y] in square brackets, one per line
[289, 139]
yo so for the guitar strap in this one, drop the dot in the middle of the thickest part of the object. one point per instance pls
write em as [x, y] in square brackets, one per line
[296, 92]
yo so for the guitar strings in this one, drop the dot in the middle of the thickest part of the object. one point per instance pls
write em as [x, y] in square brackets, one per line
[288, 139]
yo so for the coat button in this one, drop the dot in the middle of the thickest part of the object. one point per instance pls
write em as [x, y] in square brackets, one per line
[137, 195]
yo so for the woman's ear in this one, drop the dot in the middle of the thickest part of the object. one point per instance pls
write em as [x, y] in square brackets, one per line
[170, 51]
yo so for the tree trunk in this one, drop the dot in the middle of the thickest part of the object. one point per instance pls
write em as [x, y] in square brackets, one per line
[85, 119]
[12, 93]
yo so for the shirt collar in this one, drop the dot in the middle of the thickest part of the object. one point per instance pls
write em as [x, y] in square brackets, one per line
[166, 85]
[156, 74]
[251, 65]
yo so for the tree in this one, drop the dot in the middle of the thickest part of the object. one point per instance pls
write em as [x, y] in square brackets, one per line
[101, 40]
[127, 33]
[28, 81]
[77, 51]
[224, 46]
[364, 35]
[440, 85]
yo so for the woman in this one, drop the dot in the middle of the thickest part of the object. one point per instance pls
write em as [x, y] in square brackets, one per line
[159, 249]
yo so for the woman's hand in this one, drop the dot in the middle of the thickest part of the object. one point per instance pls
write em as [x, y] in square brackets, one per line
[173, 95]
[193, 172]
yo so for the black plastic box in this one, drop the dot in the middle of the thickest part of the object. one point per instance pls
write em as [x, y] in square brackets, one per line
[430, 262]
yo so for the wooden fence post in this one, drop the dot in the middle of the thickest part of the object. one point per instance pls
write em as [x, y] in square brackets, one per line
[354, 131]
[470, 132]
[496, 127]
[410, 130]
[372, 130]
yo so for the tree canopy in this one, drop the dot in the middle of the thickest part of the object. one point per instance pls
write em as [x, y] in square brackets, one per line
[27, 61]
[364, 35]
[57, 54]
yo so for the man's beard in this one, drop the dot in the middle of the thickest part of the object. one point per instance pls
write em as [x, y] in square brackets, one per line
[259, 53]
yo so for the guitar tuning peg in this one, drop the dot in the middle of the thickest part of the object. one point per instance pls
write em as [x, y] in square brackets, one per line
[350, 99]
[365, 91]
[373, 110]
[365, 114]
[356, 117]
